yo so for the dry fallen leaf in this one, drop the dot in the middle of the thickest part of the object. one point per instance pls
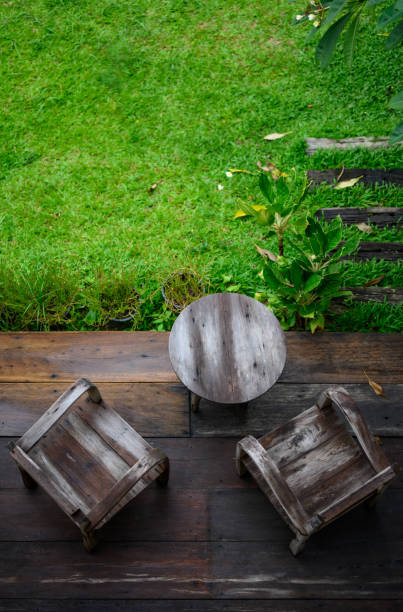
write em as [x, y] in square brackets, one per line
[374, 386]
[234, 170]
[380, 204]
[152, 188]
[374, 281]
[378, 440]
[363, 227]
[276, 135]
[349, 183]
[270, 167]
[266, 254]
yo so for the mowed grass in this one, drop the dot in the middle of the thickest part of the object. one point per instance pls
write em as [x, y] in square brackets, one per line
[101, 100]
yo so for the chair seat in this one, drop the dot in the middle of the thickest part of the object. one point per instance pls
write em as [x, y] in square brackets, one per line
[312, 468]
[87, 458]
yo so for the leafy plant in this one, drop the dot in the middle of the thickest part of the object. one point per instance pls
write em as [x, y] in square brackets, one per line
[282, 210]
[303, 285]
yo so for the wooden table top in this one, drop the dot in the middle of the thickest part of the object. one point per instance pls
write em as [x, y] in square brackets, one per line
[227, 348]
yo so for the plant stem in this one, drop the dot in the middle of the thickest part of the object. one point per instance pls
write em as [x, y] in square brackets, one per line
[280, 245]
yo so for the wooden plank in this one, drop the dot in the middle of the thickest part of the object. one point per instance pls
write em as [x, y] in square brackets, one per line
[197, 464]
[390, 295]
[285, 401]
[369, 176]
[153, 409]
[176, 605]
[99, 356]
[365, 142]
[332, 568]
[389, 251]
[323, 357]
[379, 216]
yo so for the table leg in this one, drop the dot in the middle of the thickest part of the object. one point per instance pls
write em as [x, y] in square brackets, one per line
[194, 401]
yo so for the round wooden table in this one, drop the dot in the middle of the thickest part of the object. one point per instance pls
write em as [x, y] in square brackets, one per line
[227, 348]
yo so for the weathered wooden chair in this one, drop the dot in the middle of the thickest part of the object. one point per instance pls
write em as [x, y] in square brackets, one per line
[312, 469]
[87, 458]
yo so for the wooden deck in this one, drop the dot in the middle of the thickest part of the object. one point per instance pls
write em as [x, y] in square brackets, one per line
[210, 541]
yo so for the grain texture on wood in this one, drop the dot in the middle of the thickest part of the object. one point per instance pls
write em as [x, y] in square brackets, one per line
[153, 409]
[379, 216]
[285, 401]
[204, 570]
[389, 251]
[390, 295]
[227, 348]
[368, 176]
[214, 605]
[100, 356]
[316, 144]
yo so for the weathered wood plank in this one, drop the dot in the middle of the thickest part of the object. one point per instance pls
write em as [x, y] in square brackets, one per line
[197, 570]
[390, 295]
[153, 409]
[285, 401]
[389, 251]
[326, 357]
[197, 463]
[176, 605]
[379, 216]
[369, 176]
[99, 356]
[366, 142]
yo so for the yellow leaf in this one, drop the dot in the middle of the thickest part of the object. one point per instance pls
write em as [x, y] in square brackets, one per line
[349, 183]
[239, 213]
[364, 228]
[260, 275]
[374, 386]
[276, 135]
[258, 207]
[266, 254]
[234, 170]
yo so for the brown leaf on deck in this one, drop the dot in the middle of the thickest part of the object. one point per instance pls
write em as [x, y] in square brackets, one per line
[374, 386]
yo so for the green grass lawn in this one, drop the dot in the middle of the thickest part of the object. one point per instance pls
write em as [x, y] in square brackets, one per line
[101, 100]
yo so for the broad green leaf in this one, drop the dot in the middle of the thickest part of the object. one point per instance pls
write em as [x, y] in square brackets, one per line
[264, 217]
[333, 237]
[315, 245]
[335, 8]
[296, 275]
[327, 43]
[396, 35]
[349, 39]
[270, 278]
[374, 2]
[282, 188]
[266, 187]
[350, 245]
[397, 134]
[299, 224]
[389, 15]
[397, 101]
[312, 282]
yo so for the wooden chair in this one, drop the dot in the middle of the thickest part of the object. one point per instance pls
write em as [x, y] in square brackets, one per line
[312, 469]
[87, 458]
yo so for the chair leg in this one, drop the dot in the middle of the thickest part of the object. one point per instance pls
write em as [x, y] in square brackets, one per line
[28, 481]
[164, 476]
[89, 540]
[240, 468]
[194, 402]
[372, 501]
[298, 543]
